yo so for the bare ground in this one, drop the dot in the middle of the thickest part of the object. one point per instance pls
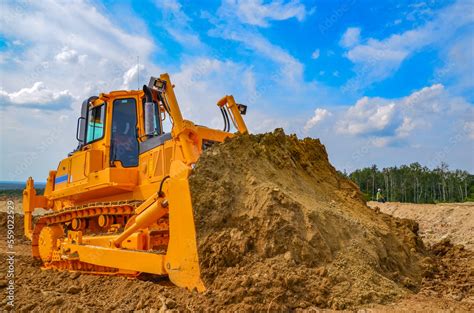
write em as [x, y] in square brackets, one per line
[453, 221]
[38, 290]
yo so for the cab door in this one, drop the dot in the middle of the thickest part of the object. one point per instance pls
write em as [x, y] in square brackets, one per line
[124, 139]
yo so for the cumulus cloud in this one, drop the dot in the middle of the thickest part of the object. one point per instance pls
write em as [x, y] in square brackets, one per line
[431, 99]
[377, 59]
[367, 117]
[393, 121]
[37, 97]
[70, 56]
[49, 74]
[89, 42]
[351, 37]
[260, 13]
[319, 116]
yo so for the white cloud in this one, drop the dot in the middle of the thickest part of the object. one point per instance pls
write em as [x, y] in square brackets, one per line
[459, 64]
[319, 116]
[260, 13]
[38, 97]
[70, 56]
[177, 23]
[377, 59]
[201, 82]
[428, 99]
[351, 37]
[429, 126]
[367, 117]
[291, 68]
[315, 54]
[83, 28]
[275, 67]
[49, 74]
[205, 79]
[406, 127]
[130, 77]
[89, 53]
[391, 121]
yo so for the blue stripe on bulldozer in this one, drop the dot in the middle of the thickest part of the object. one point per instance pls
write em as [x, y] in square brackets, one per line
[60, 179]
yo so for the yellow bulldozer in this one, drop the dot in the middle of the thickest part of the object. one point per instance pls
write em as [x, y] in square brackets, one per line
[120, 203]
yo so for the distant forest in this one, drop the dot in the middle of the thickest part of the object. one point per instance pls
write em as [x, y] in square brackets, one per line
[415, 183]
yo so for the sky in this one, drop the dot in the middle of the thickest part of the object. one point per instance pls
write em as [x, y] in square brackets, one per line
[379, 82]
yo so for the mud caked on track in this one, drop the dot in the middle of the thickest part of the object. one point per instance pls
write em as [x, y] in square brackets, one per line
[278, 229]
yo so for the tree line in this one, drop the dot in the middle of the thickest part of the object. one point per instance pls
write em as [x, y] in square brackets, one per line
[416, 183]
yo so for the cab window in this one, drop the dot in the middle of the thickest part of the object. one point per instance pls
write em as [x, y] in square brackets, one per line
[124, 132]
[156, 119]
[95, 123]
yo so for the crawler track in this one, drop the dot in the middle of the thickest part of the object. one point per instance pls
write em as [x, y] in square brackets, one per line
[87, 214]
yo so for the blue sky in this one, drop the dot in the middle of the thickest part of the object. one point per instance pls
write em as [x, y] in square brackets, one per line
[380, 82]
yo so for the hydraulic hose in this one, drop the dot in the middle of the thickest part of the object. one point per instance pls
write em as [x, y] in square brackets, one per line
[225, 120]
[160, 191]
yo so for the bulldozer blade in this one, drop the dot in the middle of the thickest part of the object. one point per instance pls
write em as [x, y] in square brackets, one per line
[182, 261]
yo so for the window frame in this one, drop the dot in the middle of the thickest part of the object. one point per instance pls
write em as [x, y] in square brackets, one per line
[104, 104]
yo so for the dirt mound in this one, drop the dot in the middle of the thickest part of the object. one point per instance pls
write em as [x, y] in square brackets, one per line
[279, 229]
[449, 272]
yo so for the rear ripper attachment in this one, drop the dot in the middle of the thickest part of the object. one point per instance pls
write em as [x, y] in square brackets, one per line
[120, 203]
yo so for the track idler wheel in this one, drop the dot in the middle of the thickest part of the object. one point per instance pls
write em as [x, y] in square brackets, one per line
[48, 241]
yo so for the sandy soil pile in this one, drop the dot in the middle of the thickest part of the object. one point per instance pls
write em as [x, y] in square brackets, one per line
[278, 228]
[453, 221]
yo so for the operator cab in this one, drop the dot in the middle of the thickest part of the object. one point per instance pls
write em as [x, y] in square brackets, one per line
[134, 129]
[94, 132]
[123, 143]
